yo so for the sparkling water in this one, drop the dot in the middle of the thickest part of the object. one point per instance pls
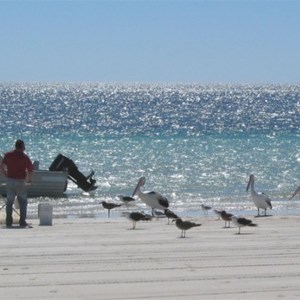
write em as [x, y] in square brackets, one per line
[194, 143]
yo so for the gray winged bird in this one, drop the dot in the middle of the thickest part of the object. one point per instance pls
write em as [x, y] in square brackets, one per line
[170, 215]
[242, 222]
[109, 206]
[205, 208]
[185, 225]
[218, 213]
[136, 217]
[226, 217]
[126, 199]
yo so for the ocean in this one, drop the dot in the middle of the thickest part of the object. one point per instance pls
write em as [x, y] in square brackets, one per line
[194, 143]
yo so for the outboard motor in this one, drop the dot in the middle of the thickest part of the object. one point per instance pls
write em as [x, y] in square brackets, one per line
[62, 163]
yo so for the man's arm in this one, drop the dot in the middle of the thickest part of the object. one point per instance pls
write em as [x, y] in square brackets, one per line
[30, 177]
[29, 171]
[2, 167]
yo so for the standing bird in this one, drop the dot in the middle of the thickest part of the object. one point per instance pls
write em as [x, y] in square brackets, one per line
[153, 199]
[218, 213]
[136, 217]
[109, 206]
[295, 193]
[260, 200]
[126, 199]
[242, 222]
[205, 208]
[170, 215]
[185, 225]
[226, 217]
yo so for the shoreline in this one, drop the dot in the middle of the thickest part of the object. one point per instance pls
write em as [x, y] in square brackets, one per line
[188, 214]
[93, 258]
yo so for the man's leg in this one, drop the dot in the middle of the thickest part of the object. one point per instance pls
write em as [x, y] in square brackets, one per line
[23, 211]
[22, 198]
[11, 194]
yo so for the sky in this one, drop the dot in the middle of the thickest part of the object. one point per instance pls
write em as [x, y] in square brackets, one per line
[247, 42]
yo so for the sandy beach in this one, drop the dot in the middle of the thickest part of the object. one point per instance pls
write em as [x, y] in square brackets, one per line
[106, 259]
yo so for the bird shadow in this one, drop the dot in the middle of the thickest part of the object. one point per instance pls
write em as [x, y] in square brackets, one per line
[244, 233]
[263, 216]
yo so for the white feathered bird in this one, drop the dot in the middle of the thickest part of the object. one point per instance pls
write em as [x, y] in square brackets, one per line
[261, 200]
[152, 199]
[242, 222]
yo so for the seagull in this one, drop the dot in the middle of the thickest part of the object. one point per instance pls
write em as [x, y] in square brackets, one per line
[205, 208]
[109, 206]
[126, 199]
[295, 193]
[218, 213]
[260, 200]
[242, 222]
[153, 199]
[170, 215]
[136, 216]
[185, 225]
[226, 217]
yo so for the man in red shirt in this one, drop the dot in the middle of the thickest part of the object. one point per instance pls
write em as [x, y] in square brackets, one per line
[14, 166]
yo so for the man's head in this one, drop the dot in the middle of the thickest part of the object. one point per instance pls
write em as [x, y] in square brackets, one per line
[20, 145]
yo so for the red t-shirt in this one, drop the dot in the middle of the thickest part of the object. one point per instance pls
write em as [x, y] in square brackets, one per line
[17, 162]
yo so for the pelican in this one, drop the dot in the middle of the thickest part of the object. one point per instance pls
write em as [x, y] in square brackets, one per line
[260, 200]
[295, 193]
[241, 222]
[153, 199]
[185, 225]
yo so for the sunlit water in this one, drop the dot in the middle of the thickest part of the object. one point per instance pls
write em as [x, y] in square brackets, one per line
[193, 143]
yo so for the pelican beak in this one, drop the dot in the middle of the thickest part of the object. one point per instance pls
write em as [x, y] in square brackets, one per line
[295, 193]
[136, 188]
[248, 185]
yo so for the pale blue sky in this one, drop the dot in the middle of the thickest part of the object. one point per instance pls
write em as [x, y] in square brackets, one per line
[150, 41]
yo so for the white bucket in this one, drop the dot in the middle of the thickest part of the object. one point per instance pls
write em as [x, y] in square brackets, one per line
[45, 213]
[16, 203]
